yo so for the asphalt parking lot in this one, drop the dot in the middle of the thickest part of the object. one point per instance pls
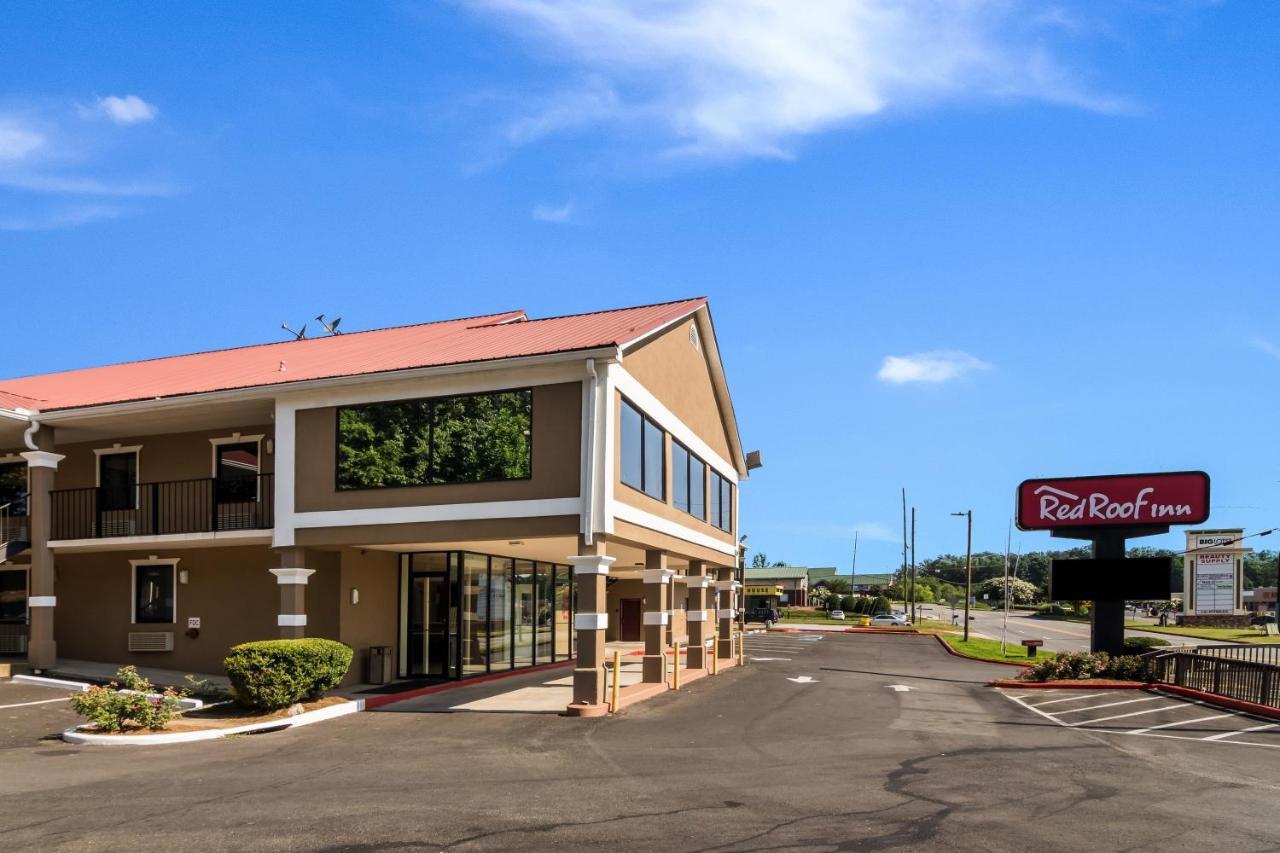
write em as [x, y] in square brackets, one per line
[848, 742]
[29, 713]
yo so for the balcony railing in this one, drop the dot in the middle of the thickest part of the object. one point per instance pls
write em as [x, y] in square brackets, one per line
[14, 529]
[156, 509]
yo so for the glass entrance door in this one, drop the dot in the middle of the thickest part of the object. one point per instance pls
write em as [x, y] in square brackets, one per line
[429, 644]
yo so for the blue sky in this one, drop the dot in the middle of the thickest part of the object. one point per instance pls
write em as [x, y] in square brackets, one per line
[948, 245]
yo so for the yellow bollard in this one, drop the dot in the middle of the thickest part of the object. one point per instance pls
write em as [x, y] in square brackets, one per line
[742, 654]
[613, 688]
[675, 663]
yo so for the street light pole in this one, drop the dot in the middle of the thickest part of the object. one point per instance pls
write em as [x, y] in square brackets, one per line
[968, 569]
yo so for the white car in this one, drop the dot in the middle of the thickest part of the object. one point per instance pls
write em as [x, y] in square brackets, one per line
[837, 614]
[890, 620]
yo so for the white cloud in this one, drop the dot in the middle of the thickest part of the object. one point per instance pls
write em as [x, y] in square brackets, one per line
[934, 367]
[749, 77]
[1266, 346]
[127, 110]
[558, 214]
[16, 141]
[66, 218]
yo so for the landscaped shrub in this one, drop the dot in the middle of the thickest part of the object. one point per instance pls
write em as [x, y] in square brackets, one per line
[881, 605]
[1128, 668]
[1142, 645]
[1051, 609]
[111, 710]
[1074, 666]
[272, 674]
[846, 603]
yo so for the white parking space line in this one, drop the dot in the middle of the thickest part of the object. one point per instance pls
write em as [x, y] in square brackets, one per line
[1226, 741]
[1180, 723]
[40, 702]
[1107, 705]
[1122, 716]
[1067, 699]
[1226, 735]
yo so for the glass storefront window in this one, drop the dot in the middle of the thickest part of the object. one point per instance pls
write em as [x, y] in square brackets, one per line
[475, 582]
[563, 613]
[544, 648]
[526, 610]
[501, 600]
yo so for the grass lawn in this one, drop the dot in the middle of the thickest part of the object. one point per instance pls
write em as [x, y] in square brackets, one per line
[981, 647]
[1222, 635]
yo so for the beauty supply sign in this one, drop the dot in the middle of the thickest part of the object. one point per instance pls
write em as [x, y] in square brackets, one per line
[1116, 500]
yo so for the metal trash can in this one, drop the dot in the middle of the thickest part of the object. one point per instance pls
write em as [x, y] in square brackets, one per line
[378, 665]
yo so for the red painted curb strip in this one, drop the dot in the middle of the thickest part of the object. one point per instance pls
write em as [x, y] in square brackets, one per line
[379, 701]
[960, 654]
[1221, 701]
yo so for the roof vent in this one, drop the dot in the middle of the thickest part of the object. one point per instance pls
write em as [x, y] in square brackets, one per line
[693, 336]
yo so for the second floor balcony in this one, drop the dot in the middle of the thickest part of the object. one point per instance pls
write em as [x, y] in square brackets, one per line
[206, 505]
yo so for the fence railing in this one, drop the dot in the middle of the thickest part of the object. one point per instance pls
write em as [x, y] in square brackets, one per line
[13, 522]
[1268, 653]
[1225, 676]
[152, 509]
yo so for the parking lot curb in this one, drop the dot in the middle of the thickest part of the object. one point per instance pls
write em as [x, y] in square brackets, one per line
[1070, 685]
[961, 654]
[43, 681]
[1221, 701]
[306, 718]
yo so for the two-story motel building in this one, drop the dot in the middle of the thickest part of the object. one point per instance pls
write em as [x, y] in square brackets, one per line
[480, 495]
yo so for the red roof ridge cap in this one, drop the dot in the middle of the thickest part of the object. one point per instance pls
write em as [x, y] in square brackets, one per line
[702, 300]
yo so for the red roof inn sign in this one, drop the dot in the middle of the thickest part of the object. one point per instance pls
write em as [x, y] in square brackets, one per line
[1122, 500]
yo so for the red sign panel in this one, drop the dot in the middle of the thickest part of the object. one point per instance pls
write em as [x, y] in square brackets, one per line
[1121, 500]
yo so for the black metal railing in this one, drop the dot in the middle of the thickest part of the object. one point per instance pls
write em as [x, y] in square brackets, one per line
[14, 527]
[1247, 680]
[154, 509]
[1268, 653]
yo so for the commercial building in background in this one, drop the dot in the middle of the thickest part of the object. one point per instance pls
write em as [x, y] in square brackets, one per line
[1260, 599]
[471, 496]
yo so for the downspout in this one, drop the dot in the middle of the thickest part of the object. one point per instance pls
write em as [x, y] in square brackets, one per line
[28, 437]
[589, 498]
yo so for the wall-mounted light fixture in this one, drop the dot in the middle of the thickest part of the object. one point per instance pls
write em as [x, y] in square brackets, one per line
[183, 576]
[355, 595]
[271, 446]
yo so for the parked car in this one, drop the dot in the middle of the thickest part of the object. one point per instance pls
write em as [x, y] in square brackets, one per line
[768, 615]
[1263, 619]
[837, 614]
[890, 620]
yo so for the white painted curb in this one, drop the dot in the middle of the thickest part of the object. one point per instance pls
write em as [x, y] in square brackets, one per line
[41, 681]
[74, 735]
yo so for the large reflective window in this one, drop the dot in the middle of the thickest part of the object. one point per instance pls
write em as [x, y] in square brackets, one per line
[563, 613]
[501, 599]
[526, 603]
[464, 439]
[475, 618]
[544, 617]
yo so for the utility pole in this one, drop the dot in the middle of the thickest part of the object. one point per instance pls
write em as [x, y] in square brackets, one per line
[903, 588]
[968, 569]
[913, 565]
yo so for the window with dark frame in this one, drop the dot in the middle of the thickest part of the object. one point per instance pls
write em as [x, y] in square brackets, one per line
[688, 481]
[468, 438]
[721, 502]
[153, 593]
[642, 452]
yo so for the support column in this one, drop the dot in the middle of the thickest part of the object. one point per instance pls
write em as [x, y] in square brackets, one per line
[727, 612]
[42, 649]
[590, 573]
[657, 615]
[697, 614]
[292, 580]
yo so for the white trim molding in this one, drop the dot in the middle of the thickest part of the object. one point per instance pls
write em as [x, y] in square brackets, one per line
[644, 518]
[42, 601]
[658, 575]
[291, 620]
[296, 577]
[184, 540]
[590, 621]
[697, 581]
[42, 459]
[696, 616]
[727, 586]
[727, 614]
[657, 617]
[590, 564]
[438, 512]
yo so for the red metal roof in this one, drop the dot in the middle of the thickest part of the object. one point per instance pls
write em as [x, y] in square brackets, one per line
[473, 339]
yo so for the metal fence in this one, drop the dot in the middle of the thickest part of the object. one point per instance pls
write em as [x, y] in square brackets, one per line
[1268, 653]
[1248, 680]
[150, 509]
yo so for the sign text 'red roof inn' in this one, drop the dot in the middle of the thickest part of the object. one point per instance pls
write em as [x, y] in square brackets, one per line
[1114, 501]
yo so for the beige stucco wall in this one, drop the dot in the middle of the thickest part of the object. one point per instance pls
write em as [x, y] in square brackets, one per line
[374, 621]
[230, 589]
[557, 458]
[678, 375]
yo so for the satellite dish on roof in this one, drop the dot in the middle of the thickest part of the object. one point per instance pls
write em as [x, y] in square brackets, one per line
[298, 335]
[331, 328]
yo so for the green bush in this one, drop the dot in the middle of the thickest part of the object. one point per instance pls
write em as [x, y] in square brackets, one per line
[1051, 609]
[846, 604]
[272, 674]
[1073, 666]
[880, 605]
[112, 710]
[1142, 645]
